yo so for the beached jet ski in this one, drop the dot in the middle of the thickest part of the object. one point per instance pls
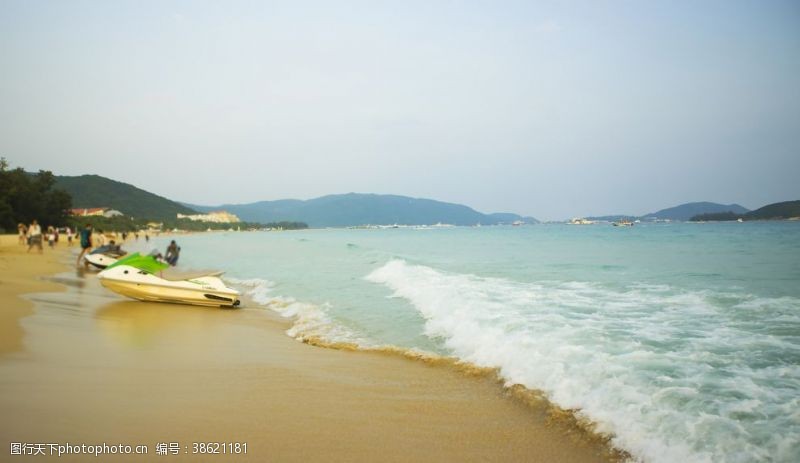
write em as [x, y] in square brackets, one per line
[104, 256]
[148, 279]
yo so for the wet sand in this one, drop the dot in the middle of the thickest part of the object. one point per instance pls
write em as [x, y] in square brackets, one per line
[82, 365]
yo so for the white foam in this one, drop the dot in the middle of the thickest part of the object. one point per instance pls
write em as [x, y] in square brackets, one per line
[257, 289]
[308, 320]
[674, 376]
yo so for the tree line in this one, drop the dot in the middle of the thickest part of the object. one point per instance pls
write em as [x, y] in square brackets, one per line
[25, 197]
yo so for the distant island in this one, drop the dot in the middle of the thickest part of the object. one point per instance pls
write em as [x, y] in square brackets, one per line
[682, 212]
[354, 209]
[777, 211]
[712, 212]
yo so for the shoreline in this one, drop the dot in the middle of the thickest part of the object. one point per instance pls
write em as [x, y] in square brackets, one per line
[94, 367]
[21, 275]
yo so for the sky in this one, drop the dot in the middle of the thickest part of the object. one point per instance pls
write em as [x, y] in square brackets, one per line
[547, 109]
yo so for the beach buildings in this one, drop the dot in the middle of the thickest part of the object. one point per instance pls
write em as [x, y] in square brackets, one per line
[215, 216]
[88, 211]
[95, 212]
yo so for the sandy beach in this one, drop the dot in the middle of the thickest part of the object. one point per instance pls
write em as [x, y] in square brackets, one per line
[81, 365]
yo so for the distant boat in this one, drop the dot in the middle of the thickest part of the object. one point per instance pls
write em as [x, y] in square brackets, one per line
[580, 221]
[517, 223]
[739, 220]
[623, 223]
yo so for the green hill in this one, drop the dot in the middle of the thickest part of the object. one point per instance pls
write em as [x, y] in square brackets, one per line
[354, 209]
[689, 210]
[775, 211]
[682, 212]
[783, 210]
[97, 191]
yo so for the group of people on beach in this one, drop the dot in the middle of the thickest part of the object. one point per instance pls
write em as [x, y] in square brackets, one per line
[91, 240]
[32, 235]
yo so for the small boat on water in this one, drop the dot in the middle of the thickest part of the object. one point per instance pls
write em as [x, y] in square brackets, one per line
[623, 223]
[104, 256]
[147, 279]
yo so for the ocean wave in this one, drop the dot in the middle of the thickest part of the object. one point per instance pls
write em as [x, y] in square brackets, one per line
[671, 375]
[256, 289]
[310, 322]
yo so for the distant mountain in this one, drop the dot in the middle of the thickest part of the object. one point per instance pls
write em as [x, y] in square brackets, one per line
[354, 209]
[689, 210]
[783, 210]
[682, 212]
[96, 191]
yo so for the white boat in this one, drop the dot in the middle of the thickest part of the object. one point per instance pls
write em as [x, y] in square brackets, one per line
[146, 279]
[623, 223]
[100, 261]
[580, 221]
[104, 256]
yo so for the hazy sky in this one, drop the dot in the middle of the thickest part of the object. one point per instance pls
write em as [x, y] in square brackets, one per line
[551, 109]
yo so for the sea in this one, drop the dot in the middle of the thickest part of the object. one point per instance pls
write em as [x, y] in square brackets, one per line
[680, 340]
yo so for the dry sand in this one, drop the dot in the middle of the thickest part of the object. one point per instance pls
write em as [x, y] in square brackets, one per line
[82, 365]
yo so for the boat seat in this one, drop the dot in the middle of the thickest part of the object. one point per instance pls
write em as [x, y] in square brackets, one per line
[172, 274]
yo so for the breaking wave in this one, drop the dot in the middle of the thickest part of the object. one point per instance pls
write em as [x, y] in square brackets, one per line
[671, 375]
[310, 322]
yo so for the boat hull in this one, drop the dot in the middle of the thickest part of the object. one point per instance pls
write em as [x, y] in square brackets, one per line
[100, 261]
[206, 291]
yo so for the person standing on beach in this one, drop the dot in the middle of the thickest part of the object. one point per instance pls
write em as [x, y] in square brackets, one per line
[173, 251]
[69, 236]
[86, 243]
[23, 233]
[35, 236]
[51, 236]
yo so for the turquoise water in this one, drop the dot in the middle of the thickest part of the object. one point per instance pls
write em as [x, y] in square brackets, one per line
[681, 340]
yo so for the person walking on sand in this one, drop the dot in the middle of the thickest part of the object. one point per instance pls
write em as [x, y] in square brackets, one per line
[35, 236]
[69, 236]
[86, 243]
[51, 236]
[23, 233]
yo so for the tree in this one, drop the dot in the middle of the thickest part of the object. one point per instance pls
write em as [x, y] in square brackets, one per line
[24, 197]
